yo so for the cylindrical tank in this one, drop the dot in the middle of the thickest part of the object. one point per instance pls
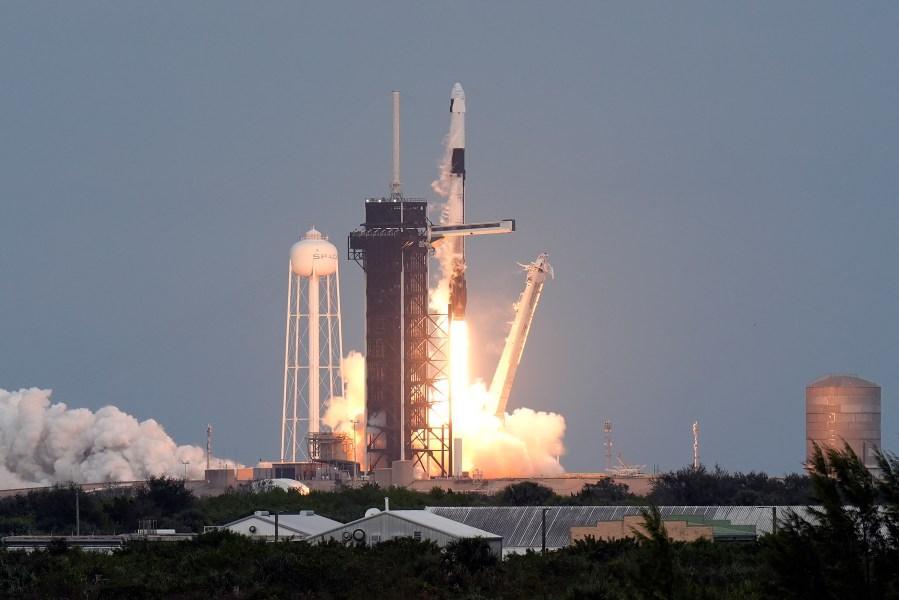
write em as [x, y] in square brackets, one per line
[843, 408]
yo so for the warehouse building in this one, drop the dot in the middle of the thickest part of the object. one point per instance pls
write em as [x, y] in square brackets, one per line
[379, 526]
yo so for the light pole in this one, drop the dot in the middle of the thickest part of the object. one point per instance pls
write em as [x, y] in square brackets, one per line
[773, 518]
[543, 530]
[185, 463]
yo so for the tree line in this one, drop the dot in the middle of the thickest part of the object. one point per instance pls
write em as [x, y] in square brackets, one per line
[171, 505]
[848, 548]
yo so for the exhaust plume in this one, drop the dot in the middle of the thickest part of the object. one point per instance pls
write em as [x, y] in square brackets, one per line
[43, 443]
[346, 414]
[447, 254]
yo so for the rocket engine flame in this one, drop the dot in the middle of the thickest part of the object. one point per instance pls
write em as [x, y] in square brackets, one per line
[459, 378]
[43, 443]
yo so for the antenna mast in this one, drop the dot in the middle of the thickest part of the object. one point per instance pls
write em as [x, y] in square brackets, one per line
[396, 188]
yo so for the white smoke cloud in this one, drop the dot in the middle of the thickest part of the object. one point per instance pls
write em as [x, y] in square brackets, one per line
[43, 443]
[451, 211]
[342, 411]
[525, 443]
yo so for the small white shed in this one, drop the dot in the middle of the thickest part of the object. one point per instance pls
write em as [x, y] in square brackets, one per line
[261, 524]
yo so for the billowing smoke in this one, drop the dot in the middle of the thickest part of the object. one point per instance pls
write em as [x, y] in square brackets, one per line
[43, 443]
[345, 414]
[525, 443]
[451, 209]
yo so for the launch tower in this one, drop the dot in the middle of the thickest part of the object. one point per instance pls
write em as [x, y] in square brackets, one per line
[404, 354]
[408, 405]
[406, 347]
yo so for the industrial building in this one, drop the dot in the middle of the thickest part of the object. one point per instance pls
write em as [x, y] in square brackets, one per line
[521, 527]
[265, 525]
[381, 526]
[680, 528]
[843, 409]
[93, 543]
[301, 477]
[508, 530]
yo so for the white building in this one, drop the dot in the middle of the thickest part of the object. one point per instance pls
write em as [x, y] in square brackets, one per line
[261, 524]
[379, 526]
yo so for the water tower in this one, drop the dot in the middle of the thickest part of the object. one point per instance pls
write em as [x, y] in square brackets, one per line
[843, 409]
[313, 346]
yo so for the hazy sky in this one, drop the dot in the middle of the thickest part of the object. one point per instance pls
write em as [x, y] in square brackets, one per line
[715, 184]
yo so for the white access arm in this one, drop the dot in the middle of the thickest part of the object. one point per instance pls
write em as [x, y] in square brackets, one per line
[438, 233]
[524, 315]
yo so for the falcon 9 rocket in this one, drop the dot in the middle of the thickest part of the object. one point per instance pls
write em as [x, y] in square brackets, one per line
[456, 200]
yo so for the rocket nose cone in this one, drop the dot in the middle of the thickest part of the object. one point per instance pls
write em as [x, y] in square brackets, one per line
[457, 99]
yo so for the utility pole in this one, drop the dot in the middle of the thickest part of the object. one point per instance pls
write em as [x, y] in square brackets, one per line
[77, 512]
[543, 530]
[277, 513]
[355, 464]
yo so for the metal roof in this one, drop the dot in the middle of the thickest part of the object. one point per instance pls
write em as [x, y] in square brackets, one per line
[442, 524]
[845, 381]
[447, 526]
[310, 524]
[306, 522]
[520, 526]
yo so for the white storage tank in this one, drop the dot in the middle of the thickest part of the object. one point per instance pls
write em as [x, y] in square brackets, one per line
[843, 408]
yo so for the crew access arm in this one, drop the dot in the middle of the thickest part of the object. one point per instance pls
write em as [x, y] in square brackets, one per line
[524, 315]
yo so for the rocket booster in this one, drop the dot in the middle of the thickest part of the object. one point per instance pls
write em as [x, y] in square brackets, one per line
[456, 200]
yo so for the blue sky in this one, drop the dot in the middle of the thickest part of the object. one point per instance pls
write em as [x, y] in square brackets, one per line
[715, 184]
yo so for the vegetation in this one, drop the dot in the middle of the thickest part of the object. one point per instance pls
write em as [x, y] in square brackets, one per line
[166, 501]
[848, 548]
[702, 487]
[605, 492]
[225, 565]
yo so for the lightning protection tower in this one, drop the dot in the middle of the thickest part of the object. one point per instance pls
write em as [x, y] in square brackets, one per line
[313, 345]
[695, 445]
[607, 427]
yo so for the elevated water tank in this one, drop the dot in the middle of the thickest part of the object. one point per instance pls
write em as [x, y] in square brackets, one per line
[842, 408]
[313, 254]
